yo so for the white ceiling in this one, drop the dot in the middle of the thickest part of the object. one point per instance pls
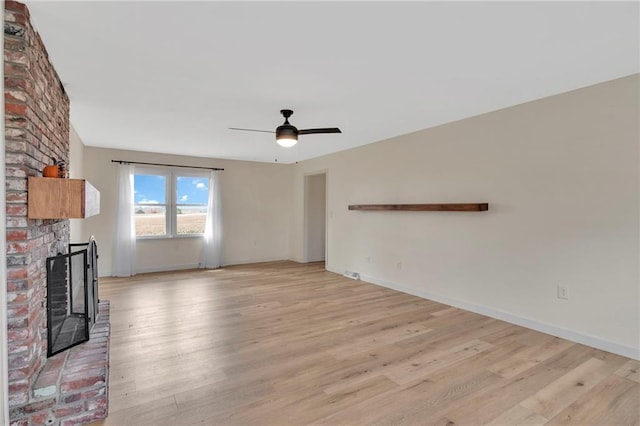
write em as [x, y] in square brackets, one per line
[172, 77]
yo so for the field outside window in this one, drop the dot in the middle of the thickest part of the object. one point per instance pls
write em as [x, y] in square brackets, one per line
[170, 204]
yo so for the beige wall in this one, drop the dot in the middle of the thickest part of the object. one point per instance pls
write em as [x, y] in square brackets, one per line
[315, 221]
[560, 174]
[76, 171]
[256, 207]
[561, 177]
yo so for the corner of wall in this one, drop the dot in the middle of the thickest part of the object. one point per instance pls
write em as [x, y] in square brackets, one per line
[561, 175]
[76, 171]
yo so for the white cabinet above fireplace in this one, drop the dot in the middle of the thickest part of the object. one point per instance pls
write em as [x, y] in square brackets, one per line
[55, 198]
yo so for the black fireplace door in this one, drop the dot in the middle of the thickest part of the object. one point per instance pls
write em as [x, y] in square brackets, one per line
[92, 276]
[67, 301]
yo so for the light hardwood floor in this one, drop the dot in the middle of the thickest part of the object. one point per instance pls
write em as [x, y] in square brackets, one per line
[288, 344]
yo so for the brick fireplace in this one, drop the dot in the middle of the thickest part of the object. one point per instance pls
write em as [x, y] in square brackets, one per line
[37, 130]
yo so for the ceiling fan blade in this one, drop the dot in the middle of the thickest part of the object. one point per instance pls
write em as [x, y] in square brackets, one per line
[251, 130]
[324, 130]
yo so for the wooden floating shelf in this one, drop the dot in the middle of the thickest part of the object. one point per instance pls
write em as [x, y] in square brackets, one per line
[56, 198]
[450, 207]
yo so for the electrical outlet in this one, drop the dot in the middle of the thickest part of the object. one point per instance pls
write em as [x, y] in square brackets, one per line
[399, 265]
[563, 292]
[367, 259]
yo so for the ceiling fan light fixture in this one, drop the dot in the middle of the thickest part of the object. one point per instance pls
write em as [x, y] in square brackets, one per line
[286, 135]
[287, 141]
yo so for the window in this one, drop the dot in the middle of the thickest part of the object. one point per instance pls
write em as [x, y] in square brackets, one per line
[150, 197]
[170, 204]
[192, 195]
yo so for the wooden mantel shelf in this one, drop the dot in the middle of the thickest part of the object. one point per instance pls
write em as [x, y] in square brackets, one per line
[54, 198]
[449, 207]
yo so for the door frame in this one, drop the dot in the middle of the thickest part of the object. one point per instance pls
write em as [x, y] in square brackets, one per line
[305, 221]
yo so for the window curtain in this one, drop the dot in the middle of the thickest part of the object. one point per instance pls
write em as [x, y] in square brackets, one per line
[124, 256]
[212, 239]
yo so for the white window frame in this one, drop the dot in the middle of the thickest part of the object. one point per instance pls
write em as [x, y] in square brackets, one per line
[171, 195]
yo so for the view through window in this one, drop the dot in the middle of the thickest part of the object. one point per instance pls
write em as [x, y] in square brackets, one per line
[169, 204]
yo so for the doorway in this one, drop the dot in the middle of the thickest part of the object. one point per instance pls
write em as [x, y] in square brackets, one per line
[315, 190]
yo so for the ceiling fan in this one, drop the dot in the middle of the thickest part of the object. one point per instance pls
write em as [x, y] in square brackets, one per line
[287, 134]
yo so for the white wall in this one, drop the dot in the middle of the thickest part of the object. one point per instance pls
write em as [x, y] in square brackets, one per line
[315, 217]
[76, 171]
[256, 209]
[561, 179]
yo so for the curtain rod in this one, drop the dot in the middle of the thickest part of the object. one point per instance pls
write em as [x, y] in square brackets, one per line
[165, 165]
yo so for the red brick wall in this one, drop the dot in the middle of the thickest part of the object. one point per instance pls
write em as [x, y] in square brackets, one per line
[36, 129]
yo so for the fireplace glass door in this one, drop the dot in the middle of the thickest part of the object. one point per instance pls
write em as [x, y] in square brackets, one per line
[67, 301]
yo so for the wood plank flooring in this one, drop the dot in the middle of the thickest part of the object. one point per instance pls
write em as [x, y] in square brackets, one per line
[282, 343]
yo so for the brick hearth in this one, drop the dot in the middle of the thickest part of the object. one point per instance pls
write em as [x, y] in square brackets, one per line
[72, 388]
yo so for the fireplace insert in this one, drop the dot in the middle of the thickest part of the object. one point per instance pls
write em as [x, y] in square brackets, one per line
[72, 296]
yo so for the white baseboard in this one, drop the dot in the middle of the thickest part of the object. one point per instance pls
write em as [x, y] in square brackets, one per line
[166, 268]
[313, 259]
[248, 261]
[334, 270]
[572, 335]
